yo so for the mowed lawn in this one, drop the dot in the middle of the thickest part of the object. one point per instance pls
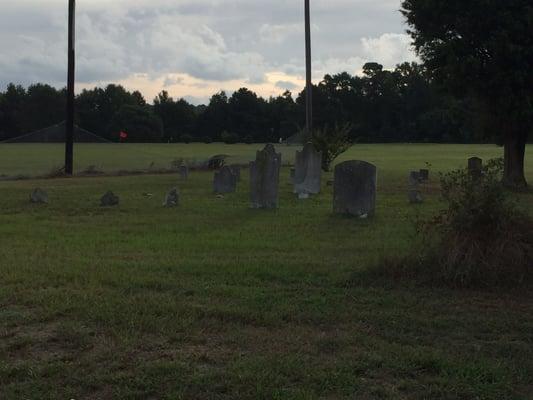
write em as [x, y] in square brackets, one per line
[213, 300]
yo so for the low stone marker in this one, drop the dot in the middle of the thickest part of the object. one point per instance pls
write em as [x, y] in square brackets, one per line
[308, 172]
[264, 178]
[414, 194]
[184, 172]
[225, 181]
[172, 199]
[236, 169]
[38, 196]
[424, 175]
[217, 161]
[355, 189]
[109, 200]
[292, 175]
[475, 167]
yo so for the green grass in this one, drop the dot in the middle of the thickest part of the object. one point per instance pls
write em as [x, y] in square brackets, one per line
[213, 300]
[41, 159]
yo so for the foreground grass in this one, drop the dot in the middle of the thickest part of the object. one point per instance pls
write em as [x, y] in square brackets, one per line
[213, 300]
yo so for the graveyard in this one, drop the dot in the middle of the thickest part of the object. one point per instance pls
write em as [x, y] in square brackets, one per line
[207, 297]
[218, 200]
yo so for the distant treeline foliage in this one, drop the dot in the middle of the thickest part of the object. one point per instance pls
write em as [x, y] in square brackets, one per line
[402, 105]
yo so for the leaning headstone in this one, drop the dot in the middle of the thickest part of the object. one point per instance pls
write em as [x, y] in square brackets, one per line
[236, 169]
[172, 199]
[308, 171]
[475, 167]
[424, 175]
[217, 161]
[38, 196]
[355, 189]
[184, 172]
[413, 193]
[264, 178]
[109, 200]
[225, 181]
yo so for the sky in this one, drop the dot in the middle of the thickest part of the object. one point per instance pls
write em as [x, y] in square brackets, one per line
[195, 48]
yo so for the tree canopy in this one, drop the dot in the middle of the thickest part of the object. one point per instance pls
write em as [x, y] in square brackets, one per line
[400, 105]
[482, 49]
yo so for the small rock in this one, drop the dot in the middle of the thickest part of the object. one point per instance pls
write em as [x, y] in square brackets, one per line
[109, 200]
[39, 196]
[172, 199]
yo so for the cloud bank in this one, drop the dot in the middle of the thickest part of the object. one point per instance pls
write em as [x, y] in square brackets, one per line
[194, 48]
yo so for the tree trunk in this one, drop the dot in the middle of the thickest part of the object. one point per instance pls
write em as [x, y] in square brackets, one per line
[514, 154]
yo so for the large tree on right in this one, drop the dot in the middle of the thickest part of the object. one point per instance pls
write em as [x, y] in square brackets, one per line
[483, 48]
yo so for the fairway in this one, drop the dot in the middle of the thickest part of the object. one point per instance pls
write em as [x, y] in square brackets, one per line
[213, 300]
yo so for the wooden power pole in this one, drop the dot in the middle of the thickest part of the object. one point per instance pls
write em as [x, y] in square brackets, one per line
[308, 73]
[69, 134]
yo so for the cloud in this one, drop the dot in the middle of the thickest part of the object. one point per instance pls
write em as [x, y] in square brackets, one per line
[192, 46]
[286, 85]
[389, 49]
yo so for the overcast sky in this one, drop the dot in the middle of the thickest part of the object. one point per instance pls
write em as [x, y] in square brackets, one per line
[194, 48]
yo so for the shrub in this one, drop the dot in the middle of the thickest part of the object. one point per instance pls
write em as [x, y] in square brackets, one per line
[186, 138]
[229, 137]
[248, 139]
[480, 240]
[208, 140]
[332, 142]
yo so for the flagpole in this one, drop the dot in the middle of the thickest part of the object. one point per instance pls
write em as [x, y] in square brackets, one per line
[308, 73]
[69, 136]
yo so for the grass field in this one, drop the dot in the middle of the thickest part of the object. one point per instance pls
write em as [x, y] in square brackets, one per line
[213, 300]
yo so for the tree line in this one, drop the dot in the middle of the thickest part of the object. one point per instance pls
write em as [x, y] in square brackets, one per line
[400, 105]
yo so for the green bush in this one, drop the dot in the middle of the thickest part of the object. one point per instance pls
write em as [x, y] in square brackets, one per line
[186, 138]
[248, 139]
[480, 240]
[229, 137]
[332, 142]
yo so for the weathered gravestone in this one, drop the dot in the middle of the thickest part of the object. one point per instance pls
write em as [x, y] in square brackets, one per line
[475, 167]
[109, 200]
[184, 172]
[172, 198]
[424, 175]
[414, 194]
[38, 196]
[264, 178]
[293, 175]
[225, 181]
[308, 171]
[236, 169]
[217, 161]
[355, 189]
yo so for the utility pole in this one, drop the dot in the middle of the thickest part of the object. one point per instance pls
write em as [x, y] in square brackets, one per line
[69, 128]
[308, 74]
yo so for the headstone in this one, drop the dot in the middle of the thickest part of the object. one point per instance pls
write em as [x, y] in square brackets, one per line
[172, 199]
[236, 169]
[264, 178]
[308, 171]
[424, 175]
[413, 193]
[109, 200]
[293, 176]
[217, 161]
[355, 189]
[475, 167]
[38, 196]
[225, 181]
[184, 172]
